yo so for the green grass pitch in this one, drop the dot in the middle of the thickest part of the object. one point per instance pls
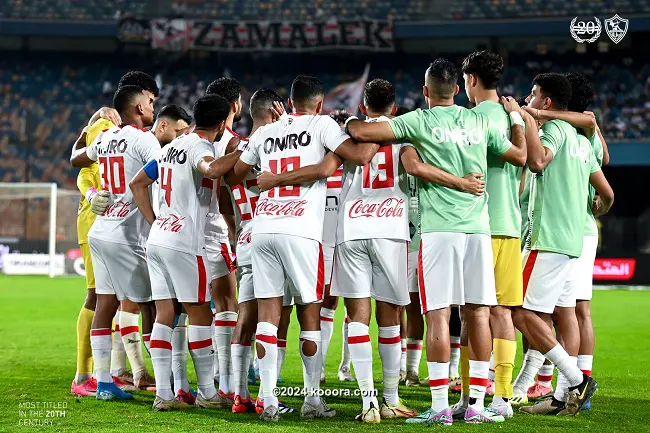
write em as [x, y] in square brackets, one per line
[37, 364]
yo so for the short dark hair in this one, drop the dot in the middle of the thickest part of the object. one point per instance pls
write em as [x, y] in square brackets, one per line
[262, 101]
[378, 94]
[225, 87]
[210, 111]
[402, 110]
[555, 86]
[123, 97]
[305, 88]
[175, 112]
[442, 78]
[141, 79]
[340, 116]
[486, 65]
[582, 92]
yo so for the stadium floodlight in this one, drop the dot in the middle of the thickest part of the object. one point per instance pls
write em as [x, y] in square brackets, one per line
[35, 216]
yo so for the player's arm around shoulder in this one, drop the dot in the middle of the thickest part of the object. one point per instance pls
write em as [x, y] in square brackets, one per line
[540, 154]
[303, 175]
[472, 183]
[516, 153]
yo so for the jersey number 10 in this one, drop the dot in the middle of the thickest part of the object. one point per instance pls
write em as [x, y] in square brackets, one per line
[285, 164]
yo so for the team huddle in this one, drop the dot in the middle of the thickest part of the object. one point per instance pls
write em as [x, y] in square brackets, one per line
[478, 222]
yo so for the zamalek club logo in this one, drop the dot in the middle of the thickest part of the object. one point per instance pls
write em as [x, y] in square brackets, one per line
[589, 31]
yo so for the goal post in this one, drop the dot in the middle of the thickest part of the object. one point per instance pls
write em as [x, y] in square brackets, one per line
[38, 230]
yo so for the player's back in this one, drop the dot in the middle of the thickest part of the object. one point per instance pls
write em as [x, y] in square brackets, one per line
[122, 151]
[292, 142]
[332, 201]
[374, 197]
[183, 200]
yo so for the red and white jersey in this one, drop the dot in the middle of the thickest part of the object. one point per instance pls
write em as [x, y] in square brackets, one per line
[122, 151]
[244, 200]
[184, 199]
[374, 198]
[216, 229]
[292, 142]
[334, 184]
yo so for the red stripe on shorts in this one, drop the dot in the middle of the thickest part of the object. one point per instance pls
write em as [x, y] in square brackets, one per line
[98, 332]
[438, 382]
[478, 381]
[203, 287]
[229, 323]
[201, 344]
[160, 344]
[389, 340]
[528, 269]
[320, 284]
[129, 330]
[225, 253]
[359, 339]
[270, 339]
[423, 292]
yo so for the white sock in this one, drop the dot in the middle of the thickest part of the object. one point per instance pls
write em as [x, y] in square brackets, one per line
[312, 366]
[224, 324]
[413, 354]
[118, 354]
[345, 355]
[100, 341]
[454, 359]
[533, 361]
[565, 364]
[585, 363]
[282, 353]
[361, 355]
[240, 355]
[545, 375]
[439, 385]
[266, 336]
[130, 332]
[492, 375]
[326, 330]
[179, 355]
[161, 358]
[201, 350]
[390, 352]
[478, 382]
[562, 384]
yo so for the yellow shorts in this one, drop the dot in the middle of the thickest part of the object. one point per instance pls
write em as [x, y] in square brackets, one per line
[508, 274]
[88, 264]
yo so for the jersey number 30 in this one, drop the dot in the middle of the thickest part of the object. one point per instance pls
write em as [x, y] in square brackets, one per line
[111, 171]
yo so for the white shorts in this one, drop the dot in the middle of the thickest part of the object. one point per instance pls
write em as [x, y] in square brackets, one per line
[328, 257]
[177, 275]
[246, 291]
[371, 268]
[582, 275]
[455, 269]
[412, 280]
[286, 263]
[221, 259]
[546, 278]
[120, 270]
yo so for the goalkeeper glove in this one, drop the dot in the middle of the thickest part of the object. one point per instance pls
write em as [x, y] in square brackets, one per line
[98, 200]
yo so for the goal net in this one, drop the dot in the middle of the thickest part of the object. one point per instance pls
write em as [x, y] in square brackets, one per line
[38, 230]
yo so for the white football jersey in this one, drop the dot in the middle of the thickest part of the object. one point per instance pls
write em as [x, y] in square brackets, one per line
[216, 229]
[244, 200]
[375, 197]
[292, 142]
[122, 151]
[334, 184]
[184, 197]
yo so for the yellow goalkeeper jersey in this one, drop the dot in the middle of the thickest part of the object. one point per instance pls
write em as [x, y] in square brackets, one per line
[89, 177]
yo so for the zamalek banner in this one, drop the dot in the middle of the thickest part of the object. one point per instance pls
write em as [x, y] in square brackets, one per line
[181, 34]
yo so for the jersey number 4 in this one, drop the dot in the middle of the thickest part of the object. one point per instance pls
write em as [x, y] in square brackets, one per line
[282, 166]
[385, 175]
[166, 184]
[111, 172]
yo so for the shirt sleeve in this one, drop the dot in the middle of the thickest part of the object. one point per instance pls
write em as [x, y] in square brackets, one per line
[552, 138]
[593, 162]
[331, 134]
[497, 140]
[407, 125]
[250, 154]
[148, 147]
[199, 151]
